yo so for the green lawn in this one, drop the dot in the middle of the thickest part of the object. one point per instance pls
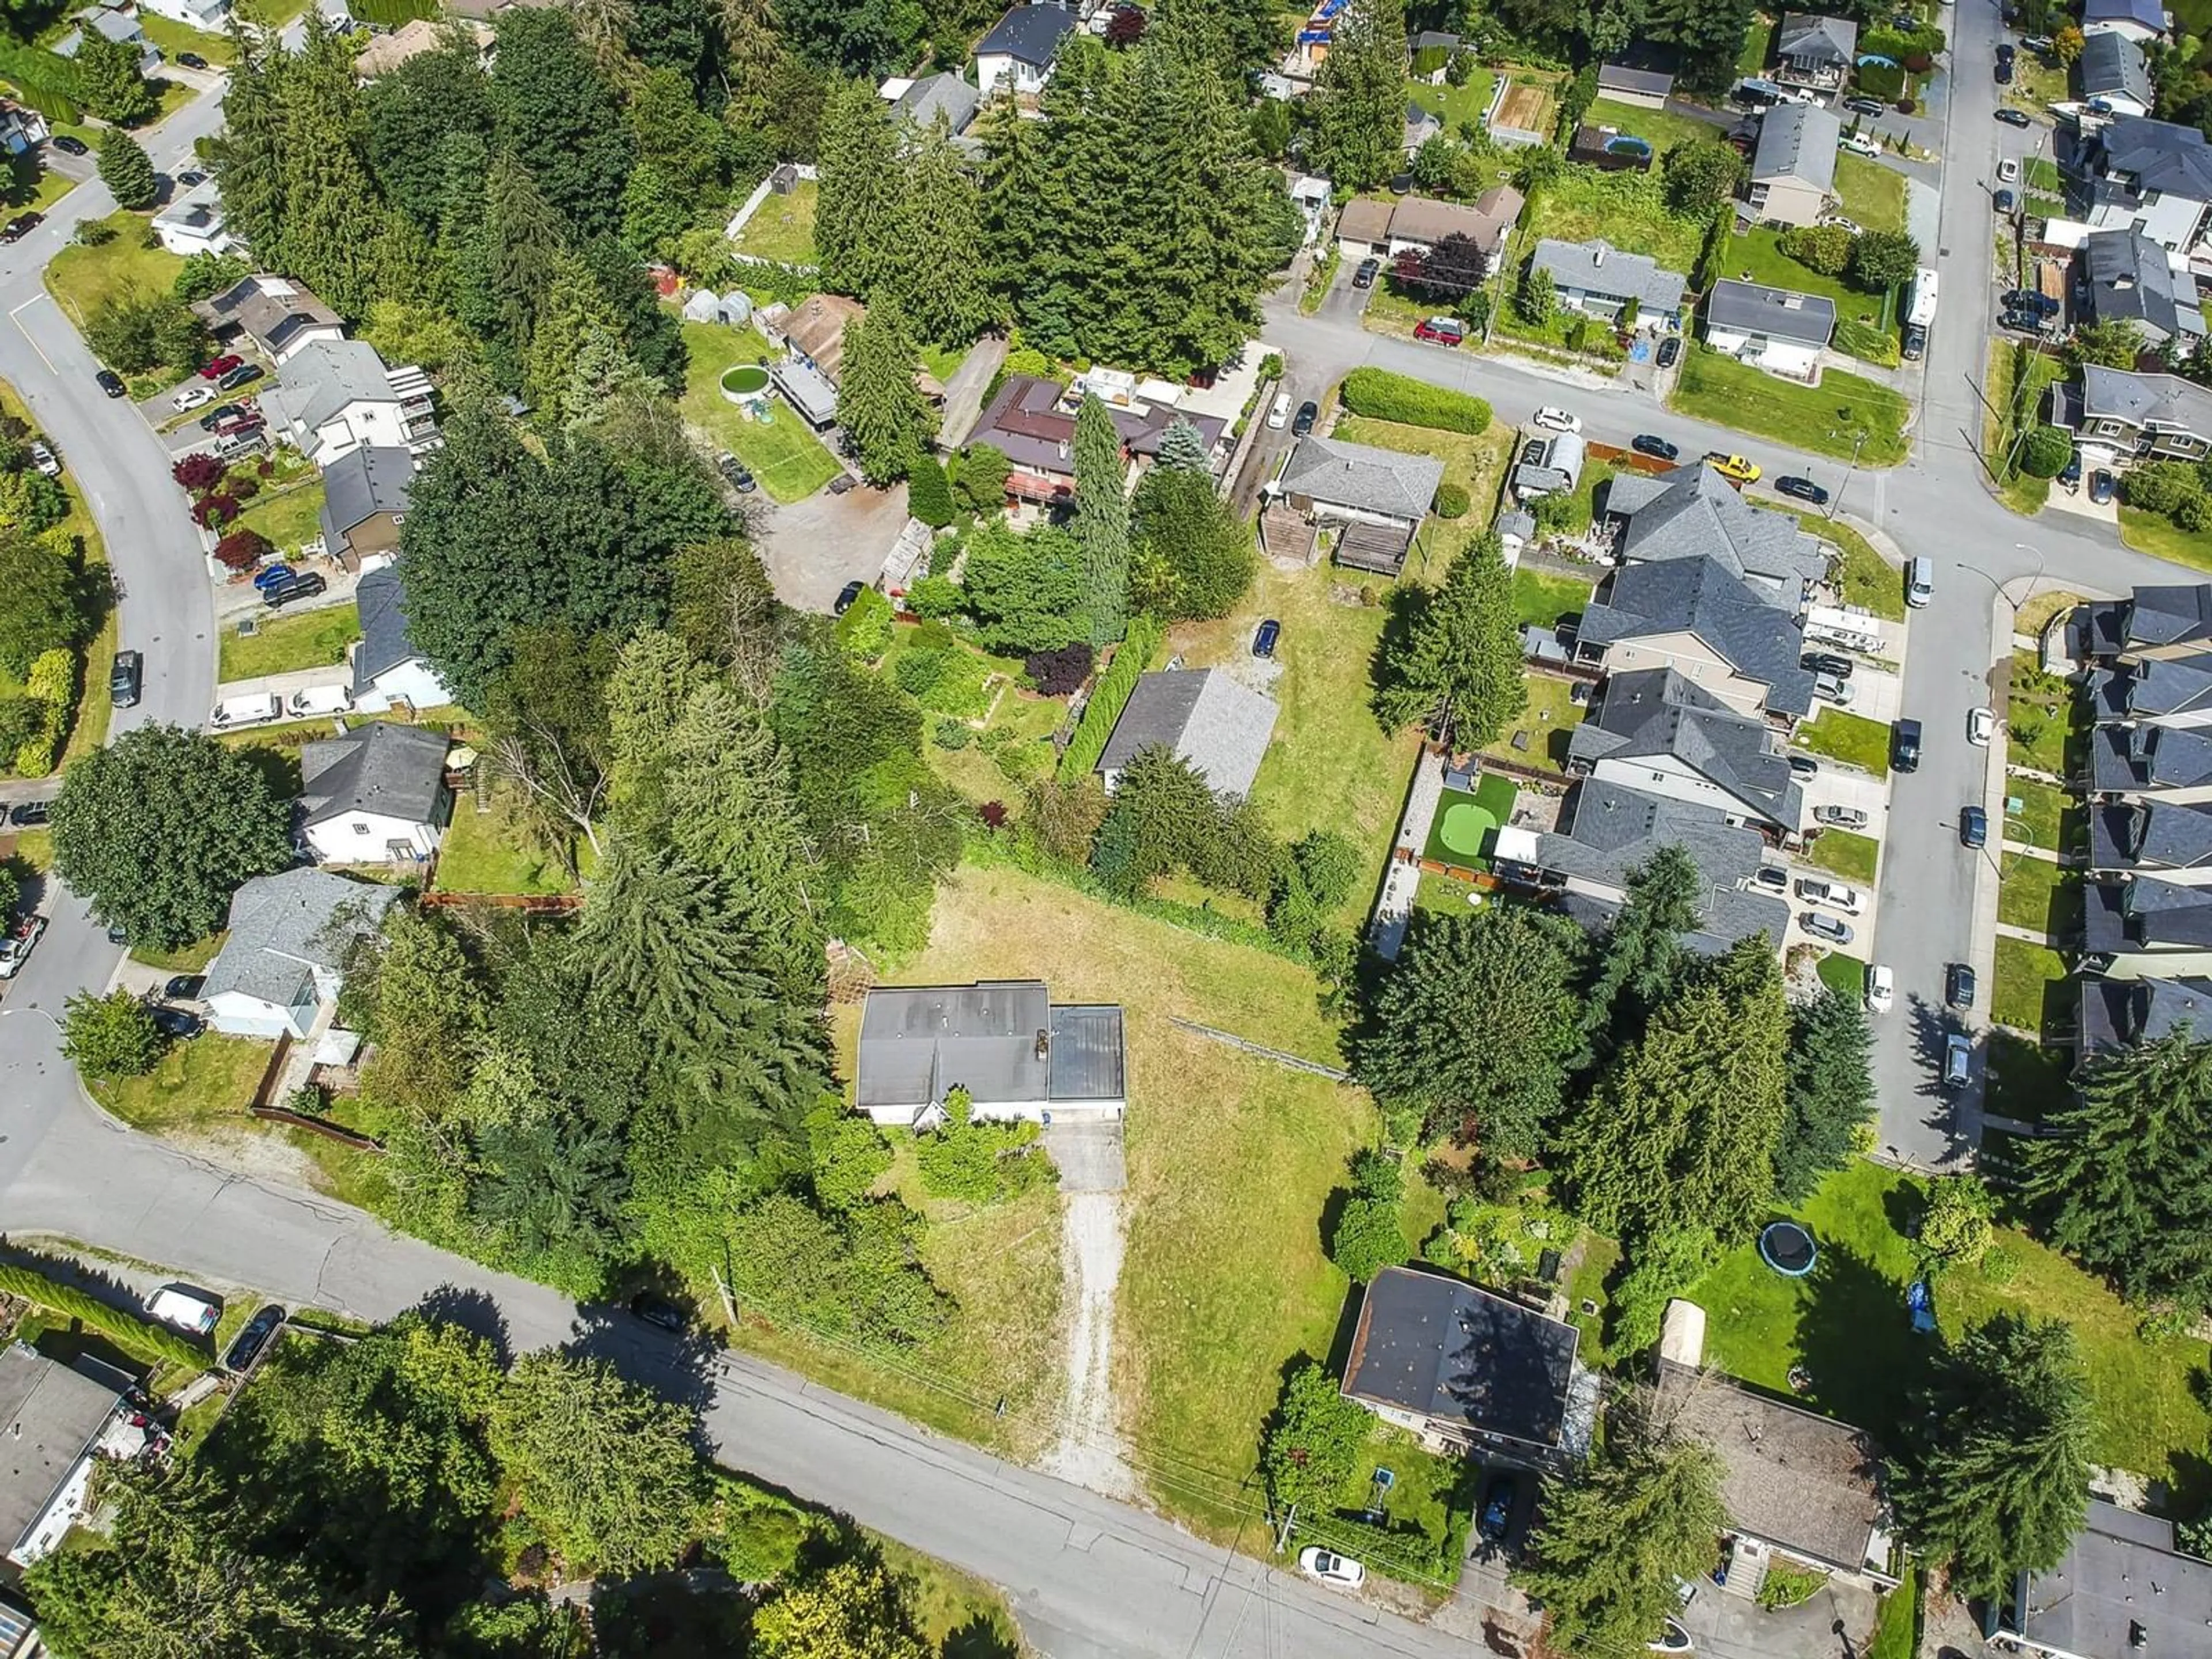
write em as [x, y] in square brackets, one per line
[1844, 976]
[787, 458]
[307, 639]
[290, 519]
[1842, 853]
[1664, 130]
[1547, 724]
[1457, 107]
[1872, 194]
[2148, 532]
[2046, 815]
[2041, 713]
[2036, 893]
[496, 852]
[1851, 738]
[1013, 746]
[174, 37]
[1758, 41]
[1629, 209]
[193, 1083]
[1867, 578]
[85, 278]
[2029, 992]
[192, 958]
[1442, 894]
[1541, 597]
[783, 229]
[1863, 327]
[1828, 419]
[1476, 464]
[32, 185]
[2015, 405]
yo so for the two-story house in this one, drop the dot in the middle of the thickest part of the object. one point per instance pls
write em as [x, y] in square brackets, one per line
[1793, 166]
[1019, 50]
[2119, 417]
[2153, 175]
[1711, 626]
[2121, 275]
[1692, 513]
[1656, 731]
[335, 396]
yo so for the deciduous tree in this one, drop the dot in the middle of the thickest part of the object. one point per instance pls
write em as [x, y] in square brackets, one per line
[1882, 259]
[1311, 1444]
[1366, 1236]
[109, 1036]
[1359, 96]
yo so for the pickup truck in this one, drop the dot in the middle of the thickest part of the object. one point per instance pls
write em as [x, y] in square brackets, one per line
[15, 945]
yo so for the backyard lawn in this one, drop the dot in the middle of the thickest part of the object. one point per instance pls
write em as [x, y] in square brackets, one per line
[1842, 853]
[496, 852]
[1476, 464]
[2036, 893]
[783, 228]
[289, 519]
[787, 458]
[1843, 736]
[1628, 209]
[1663, 129]
[1872, 194]
[85, 278]
[307, 639]
[2160, 537]
[1545, 726]
[1541, 597]
[2030, 991]
[1863, 327]
[1457, 107]
[1828, 419]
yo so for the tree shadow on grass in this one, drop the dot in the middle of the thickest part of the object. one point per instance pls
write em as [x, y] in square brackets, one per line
[979, 1639]
[1856, 1342]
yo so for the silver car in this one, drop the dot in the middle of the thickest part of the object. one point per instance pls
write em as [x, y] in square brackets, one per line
[1833, 929]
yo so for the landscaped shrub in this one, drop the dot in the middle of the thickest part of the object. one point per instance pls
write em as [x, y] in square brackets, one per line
[131, 1335]
[1057, 673]
[928, 495]
[933, 597]
[197, 472]
[1382, 396]
[244, 485]
[953, 734]
[2159, 486]
[1823, 249]
[242, 550]
[213, 511]
[2045, 452]
[864, 630]
[1788, 1586]
[1107, 699]
[983, 1163]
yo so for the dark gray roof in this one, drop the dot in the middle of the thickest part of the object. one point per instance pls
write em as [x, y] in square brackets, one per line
[2178, 615]
[2117, 1013]
[1818, 39]
[1451, 1351]
[1220, 726]
[2111, 65]
[272, 311]
[1797, 141]
[1620, 77]
[1693, 513]
[1598, 267]
[2128, 278]
[49, 1415]
[1028, 34]
[357, 486]
[2145, 914]
[2121, 1577]
[2152, 689]
[1002, 1040]
[2154, 836]
[2151, 13]
[1735, 621]
[324, 378]
[1087, 1052]
[934, 94]
[396, 771]
[2158, 156]
[284, 925]
[1360, 475]
[1026, 421]
[1783, 314]
[380, 598]
[2141, 759]
[1652, 712]
[1607, 831]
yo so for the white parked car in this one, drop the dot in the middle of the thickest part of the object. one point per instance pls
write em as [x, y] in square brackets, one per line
[192, 397]
[1881, 989]
[186, 1310]
[1331, 1568]
[2008, 171]
[1850, 225]
[1981, 725]
[1841, 818]
[1558, 419]
[1279, 415]
[1859, 144]
[1836, 894]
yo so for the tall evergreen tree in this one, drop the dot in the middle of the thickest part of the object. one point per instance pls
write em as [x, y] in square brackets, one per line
[556, 112]
[1193, 550]
[1359, 96]
[409, 115]
[110, 82]
[859, 214]
[1831, 1092]
[939, 253]
[1182, 450]
[1101, 524]
[572, 312]
[1642, 952]
[752, 47]
[333, 216]
[1459, 664]
[522, 248]
[885, 419]
[125, 170]
[248, 153]
[1991, 1471]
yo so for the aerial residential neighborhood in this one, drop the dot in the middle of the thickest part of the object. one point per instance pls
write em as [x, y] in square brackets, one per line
[1079, 828]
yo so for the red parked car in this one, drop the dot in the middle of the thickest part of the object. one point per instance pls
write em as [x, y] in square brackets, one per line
[1441, 331]
[222, 366]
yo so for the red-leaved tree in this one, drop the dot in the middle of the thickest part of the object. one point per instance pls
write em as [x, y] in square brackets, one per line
[242, 550]
[197, 473]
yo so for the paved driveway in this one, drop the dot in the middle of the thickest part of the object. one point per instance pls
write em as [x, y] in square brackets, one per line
[813, 547]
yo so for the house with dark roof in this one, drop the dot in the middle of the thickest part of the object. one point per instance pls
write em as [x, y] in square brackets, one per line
[2118, 1013]
[1776, 329]
[1019, 50]
[1692, 513]
[1642, 87]
[2121, 275]
[274, 315]
[1599, 280]
[377, 795]
[1220, 727]
[1793, 166]
[921, 102]
[1815, 51]
[2173, 842]
[2112, 69]
[1654, 731]
[2166, 623]
[2140, 926]
[365, 502]
[55, 1423]
[283, 954]
[1421, 125]
[2122, 1591]
[1017, 1054]
[2149, 762]
[2119, 417]
[1464, 1367]
[2140, 21]
[1708, 624]
[2154, 174]
[1031, 422]
[1377, 497]
[388, 672]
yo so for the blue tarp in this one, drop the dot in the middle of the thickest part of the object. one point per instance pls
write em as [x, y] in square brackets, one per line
[1922, 1301]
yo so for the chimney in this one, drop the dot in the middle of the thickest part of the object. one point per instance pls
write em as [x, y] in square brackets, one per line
[2123, 282]
[1598, 250]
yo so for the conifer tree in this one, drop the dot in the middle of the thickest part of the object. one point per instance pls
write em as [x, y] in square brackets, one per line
[752, 48]
[938, 253]
[110, 82]
[125, 170]
[858, 212]
[1359, 96]
[885, 419]
[1182, 450]
[522, 248]
[1459, 664]
[248, 153]
[333, 216]
[558, 114]
[572, 312]
[1101, 524]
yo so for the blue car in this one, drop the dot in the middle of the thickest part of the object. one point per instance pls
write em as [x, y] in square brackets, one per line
[1497, 1508]
[1263, 642]
[270, 574]
[1973, 826]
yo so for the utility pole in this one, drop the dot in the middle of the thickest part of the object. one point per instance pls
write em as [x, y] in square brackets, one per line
[1283, 1537]
[1836, 505]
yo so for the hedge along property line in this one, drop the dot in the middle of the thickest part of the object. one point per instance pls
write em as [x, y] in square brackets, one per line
[391, 13]
[1109, 699]
[1382, 395]
[153, 1341]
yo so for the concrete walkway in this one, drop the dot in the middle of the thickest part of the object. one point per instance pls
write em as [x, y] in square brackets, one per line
[1394, 907]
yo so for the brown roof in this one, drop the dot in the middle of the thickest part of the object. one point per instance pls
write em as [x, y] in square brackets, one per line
[1420, 219]
[1364, 219]
[816, 328]
[386, 52]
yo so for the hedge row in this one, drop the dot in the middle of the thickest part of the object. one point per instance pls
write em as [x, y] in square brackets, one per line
[127, 1332]
[49, 82]
[1382, 396]
[1107, 699]
[391, 13]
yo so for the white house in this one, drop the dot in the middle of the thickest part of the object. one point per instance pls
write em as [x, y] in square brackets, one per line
[376, 795]
[209, 16]
[283, 962]
[1020, 47]
[193, 223]
[20, 127]
[55, 1422]
[387, 669]
[2153, 174]
[1004, 1041]
[334, 396]
[1598, 280]
[1775, 328]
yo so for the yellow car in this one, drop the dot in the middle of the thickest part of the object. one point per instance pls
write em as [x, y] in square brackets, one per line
[1733, 468]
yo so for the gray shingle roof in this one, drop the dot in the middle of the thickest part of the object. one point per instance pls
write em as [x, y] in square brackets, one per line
[380, 598]
[2119, 1012]
[1780, 312]
[1701, 597]
[48, 1415]
[397, 771]
[356, 486]
[1450, 1350]
[1797, 141]
[1620, 77]
[2149, 835]
[1425, 219]
[323, 378]
[2145, 914]
[2166, 401]
[1818, 39]
[918, 1042]
[271, 310]
[2145, 758]
[2129, 279]
[284, 925]
[1693, 513]
[1654, 712]
[2112, 65]
[934, 94]
[2151, 13]
[2174, 615]
[2158, 156]
[2097, 1597]
[1340, 474]
[1218, 725]
[1607, 831]
[1597, 267]
[1028, 34]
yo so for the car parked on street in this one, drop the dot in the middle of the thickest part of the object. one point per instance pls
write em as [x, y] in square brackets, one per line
[1557, 419]
[2005, 201]
[245, 1347]
[1959, 985]
[2014, 117]
[1904, 746]
[1302, 422]
[1329, 1568]
[1973, 826]
[1734, 468]
[1958, 1060]
[1832, 929]
[1804, 490]
[1441, 331]
[1866, 106]
[43, 458]
[20, 225]
[1647, 443]
[1981, 725]
[126, 680]
[2009, 170]
[1881, 989]
[660, 1312]
[110, 382]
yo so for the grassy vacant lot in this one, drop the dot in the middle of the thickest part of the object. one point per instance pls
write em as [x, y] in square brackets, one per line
[85, 278]
[1548, 723]
[496, 851]
[1541, 597]
[783, 228]
[194, 1082]
[290, 519]
[1863, 327]
[2160, 537]
[1628, 209]
[1664, 130]
[1867, 578]
[1841, 852]
[787, 458]
[1827, 419]
[307, 639]
[2036, 893]
[2030, 988]
[1846, 1325]
[2016, 405]
[1231, 1159]
[1872, 194]
[1476, 464]
[1851, 738]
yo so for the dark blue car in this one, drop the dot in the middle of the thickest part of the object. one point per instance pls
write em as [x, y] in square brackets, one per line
[1263, 642]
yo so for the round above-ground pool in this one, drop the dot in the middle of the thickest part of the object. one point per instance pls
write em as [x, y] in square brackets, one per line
[1788, 1249]
[745, 384]
[1466, 822]
[1627, 144]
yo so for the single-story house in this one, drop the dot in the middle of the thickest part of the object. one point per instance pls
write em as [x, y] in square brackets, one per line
[1220, 727]
[1598, 280]
[332, 397]
[1363, 229]
[1696, 617]
[365, 502]
[1380, 496]
[2119, 417]
[1016, 1052]
[2111, 69]
[386, 52]
[1815, 51]
[2140, 21]
[1776, 329]
[1031, 422]
[274, 315]
[2113, 1014]
[1793, 166]
[921, 102]
[119, 26]
[192, 222]
[376, 795]
[1463, 1366]
[21, 127]
[2162, 623]
[2151, 762]
[1692, 513]
[387, 669]
[1418, 223]
[209, 15]
[2174, 842]
[55, 1421]
[280, 969]
[1655, 731]
[1019, 50]
[2125, 276]
[1626, 84]
[2140, 926]
[2122, 1589]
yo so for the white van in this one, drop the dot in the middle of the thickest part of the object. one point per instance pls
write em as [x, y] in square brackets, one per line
[1919, 582]
[187, 1310]
[1279, 415]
